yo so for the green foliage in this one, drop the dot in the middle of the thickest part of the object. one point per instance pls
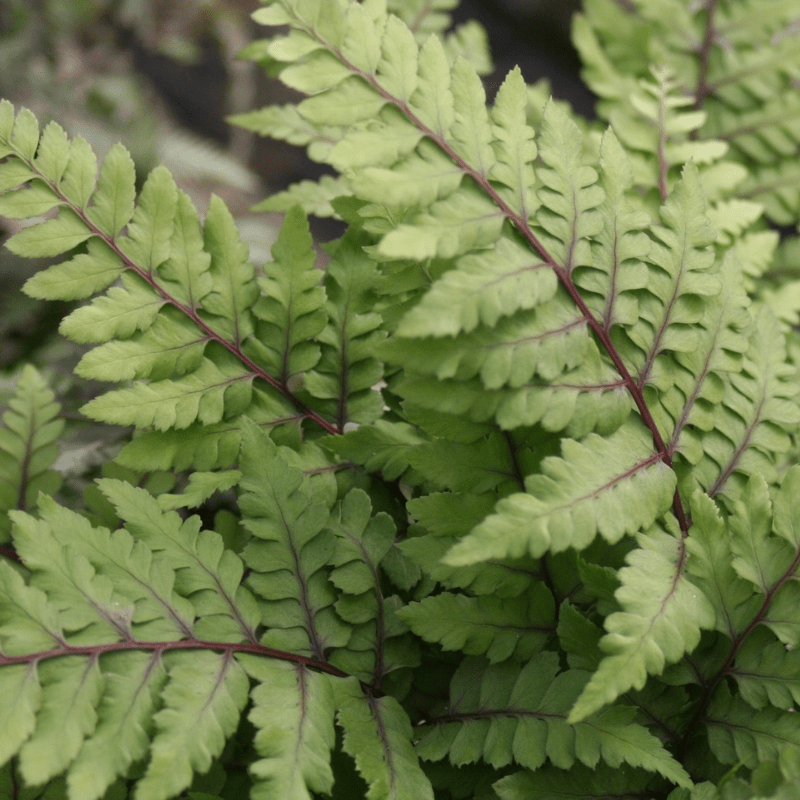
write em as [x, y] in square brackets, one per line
[503, 503]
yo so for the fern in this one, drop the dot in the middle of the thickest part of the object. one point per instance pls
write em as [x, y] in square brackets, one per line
[502, 504]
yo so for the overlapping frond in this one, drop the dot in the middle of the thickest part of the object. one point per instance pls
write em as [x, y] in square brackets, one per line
[739, 74]
[661, 619]
[506, 714]
[182, 314]
[106, 616]
[28, 448]
[551, 523]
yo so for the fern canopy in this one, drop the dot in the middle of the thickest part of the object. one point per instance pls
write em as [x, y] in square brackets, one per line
[501, 503]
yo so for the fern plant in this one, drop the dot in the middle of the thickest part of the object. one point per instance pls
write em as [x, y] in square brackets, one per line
[503, 504]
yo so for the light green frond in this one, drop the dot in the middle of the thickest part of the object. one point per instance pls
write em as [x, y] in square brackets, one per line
[132, 684]
[441, 520]
[291, 309]
[170, 346]
[546, 343]
[150, 230]
[465, 221]
[51, 238]
[661, 619]
[211, 393]
[589, 398]
[363, 542]
[233, 289]
[758, 409]
[113, 206]
[679, 280]
[483, 287]
[205, 570]
[286, 124]
[382, 446]
[378, 735]
[612, 486]
[348, 372]
[120, 312]
[499, 628]
[293, 714]
[28, 446]
[568, 191]
[616, 268]
[200, 487]
[203, 698]
[514, 145]
[289, 552]
[314, 197]
[71, 689]
[82, 276]
[504, 713]
[709, 564]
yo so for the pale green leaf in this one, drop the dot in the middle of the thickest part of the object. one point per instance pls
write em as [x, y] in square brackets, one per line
[71, 689]
[293, 716]
[80, 175]
[113, 202]
[612, 486]
[291, 308]
[499, 628]
[203, 700]
[121, 311]
[30, 201]
[22, 692]
[132, 681]
[208, 394]
[466, 220]
[147, 244]
[397, 70]
[432, 101]
[514, 145]
[28, 448]
[233, 289]
[50, 238]
[663, 614]
[186, 270]
[169, 347]
[483, 288]
[82, 276]
[378, 734]
[471, 130]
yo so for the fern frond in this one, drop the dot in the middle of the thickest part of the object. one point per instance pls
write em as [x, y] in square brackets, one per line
[661, 619]
[766, 673]
[550, 783]
[186, 290]
[619, 471]
[290, 311]
[497, 628]
[441, 520]
[759, 407]
[293, 710]
[737, 733]
[31, 428]
[127, 603]
[289, 552]
[348, 368]
[502, 712]
[740, 76]
[378, 735]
